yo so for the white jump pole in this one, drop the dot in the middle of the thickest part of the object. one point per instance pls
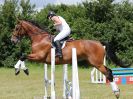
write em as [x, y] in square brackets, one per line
[104, 62]
[75, 79]
[52, 73]
[71, 89]
[46, 81]
[65, 79]
[52, 81]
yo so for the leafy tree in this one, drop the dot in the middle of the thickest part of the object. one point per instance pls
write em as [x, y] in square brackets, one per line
[26, 9]
[9, 11]
[7, 24]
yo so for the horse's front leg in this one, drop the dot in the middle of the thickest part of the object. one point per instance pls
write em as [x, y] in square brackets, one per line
[34, 57]
[21, 64]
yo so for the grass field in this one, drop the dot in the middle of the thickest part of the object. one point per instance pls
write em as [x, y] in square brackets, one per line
[32, 86]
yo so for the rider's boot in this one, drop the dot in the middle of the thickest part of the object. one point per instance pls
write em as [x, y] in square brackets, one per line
[58, 49]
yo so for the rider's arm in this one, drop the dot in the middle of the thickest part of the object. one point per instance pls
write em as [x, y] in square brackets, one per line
[56, 20]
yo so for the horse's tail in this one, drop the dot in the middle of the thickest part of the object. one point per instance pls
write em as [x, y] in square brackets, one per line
[110, 51]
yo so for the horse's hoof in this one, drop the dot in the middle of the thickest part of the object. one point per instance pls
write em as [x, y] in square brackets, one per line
[17, 71]
[117, 94]
[26, 71]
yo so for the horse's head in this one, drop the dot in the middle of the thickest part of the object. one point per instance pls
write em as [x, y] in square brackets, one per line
[18, 32]
[28, 28]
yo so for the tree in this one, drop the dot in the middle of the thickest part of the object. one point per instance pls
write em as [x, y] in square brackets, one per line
[26, 9]
[7, 24]
[9, 12]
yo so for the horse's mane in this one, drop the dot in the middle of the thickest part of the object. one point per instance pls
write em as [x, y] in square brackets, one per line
[38, 25]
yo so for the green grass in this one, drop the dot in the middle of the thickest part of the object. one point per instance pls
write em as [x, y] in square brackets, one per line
[28, 87]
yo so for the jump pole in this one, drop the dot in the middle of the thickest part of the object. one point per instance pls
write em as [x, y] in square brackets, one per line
[74, 91]
[52, 73]
[75, 79]
[71, 89]
[46, 81]
[65, 79]
[52, 81]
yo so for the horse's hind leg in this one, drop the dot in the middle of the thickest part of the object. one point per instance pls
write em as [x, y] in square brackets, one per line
[108, 73]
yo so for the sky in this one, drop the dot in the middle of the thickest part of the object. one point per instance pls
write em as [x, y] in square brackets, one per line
[41, 3]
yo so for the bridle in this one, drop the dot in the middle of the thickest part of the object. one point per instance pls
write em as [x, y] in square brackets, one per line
[18, 34]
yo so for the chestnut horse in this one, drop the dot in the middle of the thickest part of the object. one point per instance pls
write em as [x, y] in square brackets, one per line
[89, 50]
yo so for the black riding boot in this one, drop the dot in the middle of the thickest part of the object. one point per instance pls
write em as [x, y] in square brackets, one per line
[58, 49]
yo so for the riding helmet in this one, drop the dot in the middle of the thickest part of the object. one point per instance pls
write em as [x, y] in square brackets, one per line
[51, 14]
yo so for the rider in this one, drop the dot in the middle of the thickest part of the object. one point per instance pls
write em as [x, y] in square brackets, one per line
[62, 27]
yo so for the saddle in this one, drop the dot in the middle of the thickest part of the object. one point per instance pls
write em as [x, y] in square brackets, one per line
[63, 41]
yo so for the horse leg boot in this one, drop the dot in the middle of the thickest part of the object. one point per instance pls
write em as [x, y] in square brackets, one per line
[58, 49]
[17, 67]
[114, 86]
[18, 64]
[21, 65]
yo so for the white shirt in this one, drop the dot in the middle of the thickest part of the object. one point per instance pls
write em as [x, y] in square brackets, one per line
[63, 26]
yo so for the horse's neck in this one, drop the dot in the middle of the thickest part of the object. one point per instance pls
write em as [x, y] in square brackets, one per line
[31, 31]
[36, 34]
[40, 38]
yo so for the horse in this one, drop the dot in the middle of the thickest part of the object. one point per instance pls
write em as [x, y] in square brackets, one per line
[89, 50]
